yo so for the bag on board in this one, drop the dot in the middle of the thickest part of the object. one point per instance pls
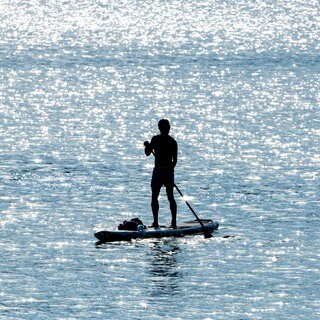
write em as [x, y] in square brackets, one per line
[131, 225]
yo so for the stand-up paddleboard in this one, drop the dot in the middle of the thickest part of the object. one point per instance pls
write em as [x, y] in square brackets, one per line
[186, 228]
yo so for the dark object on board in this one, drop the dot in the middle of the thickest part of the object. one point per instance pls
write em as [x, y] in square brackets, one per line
[131, 225]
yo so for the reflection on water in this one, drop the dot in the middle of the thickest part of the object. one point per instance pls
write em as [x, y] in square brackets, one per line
[164, 269]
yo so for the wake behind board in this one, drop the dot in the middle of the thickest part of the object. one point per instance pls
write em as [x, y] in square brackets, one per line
[186, 228]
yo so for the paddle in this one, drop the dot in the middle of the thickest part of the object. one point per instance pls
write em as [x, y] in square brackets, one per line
[207, 234]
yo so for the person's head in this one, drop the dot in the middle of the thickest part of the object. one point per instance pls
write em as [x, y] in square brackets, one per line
[164, 126]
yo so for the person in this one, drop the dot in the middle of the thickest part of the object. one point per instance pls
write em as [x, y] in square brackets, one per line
[165, 150]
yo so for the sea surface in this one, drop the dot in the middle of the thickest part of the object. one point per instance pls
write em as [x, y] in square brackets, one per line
[83, 84]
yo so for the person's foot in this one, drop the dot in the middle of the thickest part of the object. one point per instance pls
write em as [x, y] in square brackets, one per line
[173, 226]
[155, 225]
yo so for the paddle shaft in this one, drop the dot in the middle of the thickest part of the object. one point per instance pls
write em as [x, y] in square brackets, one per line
[206, 232]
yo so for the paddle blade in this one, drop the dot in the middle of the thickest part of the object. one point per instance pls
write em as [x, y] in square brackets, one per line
[207, 234]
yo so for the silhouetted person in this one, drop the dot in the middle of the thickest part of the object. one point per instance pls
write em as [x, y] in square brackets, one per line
[165, 150]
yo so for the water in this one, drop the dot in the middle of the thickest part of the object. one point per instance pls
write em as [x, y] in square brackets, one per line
[83, 84]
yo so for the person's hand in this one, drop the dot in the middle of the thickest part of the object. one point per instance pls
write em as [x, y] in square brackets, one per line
[146, 143]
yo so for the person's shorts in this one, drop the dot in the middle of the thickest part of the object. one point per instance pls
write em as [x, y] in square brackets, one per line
[161, 177]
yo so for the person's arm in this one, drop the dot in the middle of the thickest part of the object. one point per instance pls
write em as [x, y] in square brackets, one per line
[148, 147]
[175, 155]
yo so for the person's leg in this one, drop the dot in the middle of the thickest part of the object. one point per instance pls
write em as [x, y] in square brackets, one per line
[156, 185]
[155, 206]
[173, 206]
